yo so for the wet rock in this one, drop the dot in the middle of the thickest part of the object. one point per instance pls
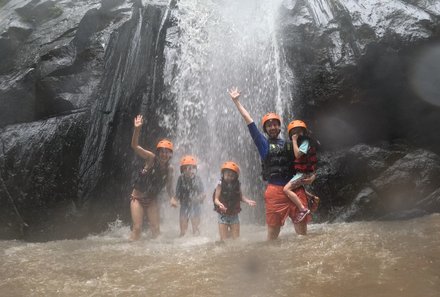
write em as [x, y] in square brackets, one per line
[431, 203]
[404, 215]
[342, 174]
[10, 41]
[133, 60]
[370, 182]
[17, 97]
[355, 67]
[68, 83]
[68, 80]
[110, 4]
[39, 174]
[361, 208]
[408, 180]
[38, 12]
[66, 71]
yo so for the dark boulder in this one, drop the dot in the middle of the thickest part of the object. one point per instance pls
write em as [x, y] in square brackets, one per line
[39, 177]
[366, 183]
[366, 72]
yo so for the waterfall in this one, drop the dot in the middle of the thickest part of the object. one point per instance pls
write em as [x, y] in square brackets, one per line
[217, 45]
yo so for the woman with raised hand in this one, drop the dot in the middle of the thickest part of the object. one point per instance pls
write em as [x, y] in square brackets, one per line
[156, 174]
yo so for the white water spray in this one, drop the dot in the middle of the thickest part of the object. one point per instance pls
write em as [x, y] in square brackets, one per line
[223, 44]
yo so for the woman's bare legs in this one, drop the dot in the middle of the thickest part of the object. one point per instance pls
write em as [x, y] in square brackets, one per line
[154, 217]
[137, 217]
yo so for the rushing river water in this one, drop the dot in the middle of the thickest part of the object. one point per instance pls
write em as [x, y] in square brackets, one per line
[400, 258]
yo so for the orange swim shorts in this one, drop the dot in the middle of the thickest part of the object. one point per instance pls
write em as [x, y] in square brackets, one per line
[279, 206]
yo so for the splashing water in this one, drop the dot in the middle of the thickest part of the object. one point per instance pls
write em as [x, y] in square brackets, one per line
[223, 44]
[362, 259]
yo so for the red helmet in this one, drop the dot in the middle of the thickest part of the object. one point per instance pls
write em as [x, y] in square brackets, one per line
[270, 116]
[165, 143]
[231, 166]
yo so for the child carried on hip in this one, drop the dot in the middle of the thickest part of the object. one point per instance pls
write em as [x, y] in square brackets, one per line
[304, 149]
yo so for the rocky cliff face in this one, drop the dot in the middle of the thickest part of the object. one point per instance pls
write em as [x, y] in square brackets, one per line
[73, 74]
[384, 181]
[367, 72]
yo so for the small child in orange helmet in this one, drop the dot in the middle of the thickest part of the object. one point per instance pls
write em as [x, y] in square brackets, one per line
[304, 149]
[191, 194]
[227, 197]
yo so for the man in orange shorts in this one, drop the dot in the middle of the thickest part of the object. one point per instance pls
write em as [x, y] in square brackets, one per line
[277, 171]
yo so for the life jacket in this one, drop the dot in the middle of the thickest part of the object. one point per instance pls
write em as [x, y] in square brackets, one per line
[278, 161]
[187, 189]
[307, 162]
[230, 196]
[152, 180]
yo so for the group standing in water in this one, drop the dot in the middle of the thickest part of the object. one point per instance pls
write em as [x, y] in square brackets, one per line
[287, 167]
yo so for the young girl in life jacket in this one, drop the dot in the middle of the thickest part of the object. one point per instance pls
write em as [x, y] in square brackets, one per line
[227, 197]
[304, 149]
[191, 194]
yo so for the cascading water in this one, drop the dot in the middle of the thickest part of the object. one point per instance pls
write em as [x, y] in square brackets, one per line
[222, 44]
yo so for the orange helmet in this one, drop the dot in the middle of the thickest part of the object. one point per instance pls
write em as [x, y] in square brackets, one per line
[231, 166]
[294, 124]
[188, 160]
[165, 143]
[270, 116]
